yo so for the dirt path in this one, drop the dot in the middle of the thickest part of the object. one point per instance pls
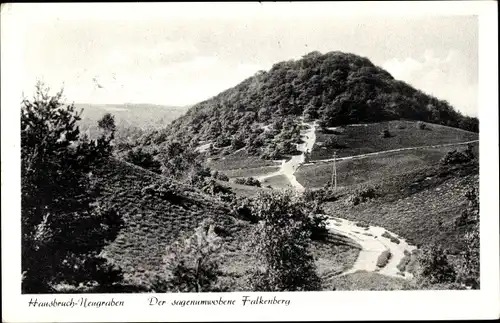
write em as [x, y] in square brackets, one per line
[288, 168]
[373, 244]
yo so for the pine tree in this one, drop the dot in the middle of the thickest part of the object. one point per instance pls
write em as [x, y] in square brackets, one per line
[191, 264]
[63, 228]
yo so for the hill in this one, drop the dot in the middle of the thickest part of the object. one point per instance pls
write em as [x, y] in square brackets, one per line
[259, 115]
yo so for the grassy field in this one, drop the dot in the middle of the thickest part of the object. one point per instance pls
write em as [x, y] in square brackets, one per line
[373, 168]
[333, 259]
[244, 190]
[420, 206]
[363, 280]
[239, 161]
[367, 139]
[250, 172]
[278, 181]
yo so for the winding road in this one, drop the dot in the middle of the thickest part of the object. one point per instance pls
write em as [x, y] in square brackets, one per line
[369, 238]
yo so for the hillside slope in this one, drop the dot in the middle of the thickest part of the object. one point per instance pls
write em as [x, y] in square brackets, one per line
[259, 114]
[154, 217]
[420, 205]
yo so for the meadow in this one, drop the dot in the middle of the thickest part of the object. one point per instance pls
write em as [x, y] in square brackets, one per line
[363, 139]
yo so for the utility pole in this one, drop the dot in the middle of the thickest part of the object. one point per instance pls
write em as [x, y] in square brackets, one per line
[334, 171]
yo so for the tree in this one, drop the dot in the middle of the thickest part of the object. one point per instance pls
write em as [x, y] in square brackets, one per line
[107, 123]
[191, 264]
[63, 227]
[178, 161]
[435, 267]
[283, 244]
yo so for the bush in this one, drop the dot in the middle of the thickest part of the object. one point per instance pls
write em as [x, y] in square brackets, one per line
[222, 141]
[456, 157]
[143, 159]
[250, 181]
[242, 208]
[325, 194]
[191, 264]
[390, 237]
[283, 242]
[164, 190]
[361, 195]
[385, 133]
[383, 258]
[362, 224]
[211, 187]
[435, 267]
[404, 262]
[220, 176]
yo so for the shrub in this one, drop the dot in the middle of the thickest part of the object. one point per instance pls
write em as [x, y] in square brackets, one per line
[212, 187]
[143, 159]
[362, 224]
[191, 264]
[164, 190]
[455, 157]
[283, 242]
[222, 141]
[435, 267]
[404, 261]
[317, 226]
[220, 176]
[237, 142]
[250, 181]
[242, 208]
[390, 237]
[361, 195]
[383, 258]
[385, 133]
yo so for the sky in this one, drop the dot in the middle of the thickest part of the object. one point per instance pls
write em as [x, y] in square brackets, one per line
[181, 54]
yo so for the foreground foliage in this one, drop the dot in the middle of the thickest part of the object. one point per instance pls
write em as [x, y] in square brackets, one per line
[283, 243]
[63, 228]
[191, 264]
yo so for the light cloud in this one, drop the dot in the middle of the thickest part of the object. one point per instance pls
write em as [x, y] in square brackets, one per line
[184, 59]
[444, 77]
